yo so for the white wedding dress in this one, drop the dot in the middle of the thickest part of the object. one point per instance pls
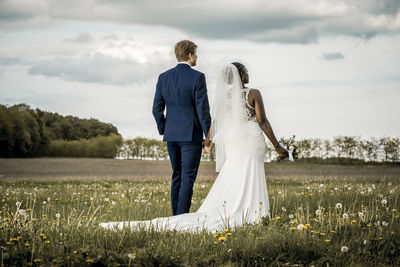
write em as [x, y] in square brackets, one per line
[239, 194]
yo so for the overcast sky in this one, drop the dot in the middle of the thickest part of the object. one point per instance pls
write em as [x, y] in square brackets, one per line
[324, 68]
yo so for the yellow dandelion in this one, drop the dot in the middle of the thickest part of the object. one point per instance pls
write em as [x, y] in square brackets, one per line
[1, 226]
[75, 252]
[37, 260]
[8, 243]
[219, 233]
[47, 241]
[369, 225]
[222, 238]
[333, 231]
[292, 228]
[315, 220]
[322, 234]
[216, 236]
[228, 234]
[277, 218]
[308, 225]
[394, 210]
[27, 244]
[215, 243]
[380, 238]
[327, 240]
[89, 260]
[392, 233]
[226, 230]
[353, 221]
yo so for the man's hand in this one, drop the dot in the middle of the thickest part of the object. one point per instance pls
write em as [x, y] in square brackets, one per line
[282, 152]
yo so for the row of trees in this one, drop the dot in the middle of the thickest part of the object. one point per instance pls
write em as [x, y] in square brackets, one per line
[25, 132]
[384, 149]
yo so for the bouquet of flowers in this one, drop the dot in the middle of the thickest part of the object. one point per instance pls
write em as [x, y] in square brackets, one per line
[289, 144]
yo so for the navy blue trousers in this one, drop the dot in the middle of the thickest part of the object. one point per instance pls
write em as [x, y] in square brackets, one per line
[185, 160]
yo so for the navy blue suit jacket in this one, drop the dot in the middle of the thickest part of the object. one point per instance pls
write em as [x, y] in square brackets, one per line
[183, 91]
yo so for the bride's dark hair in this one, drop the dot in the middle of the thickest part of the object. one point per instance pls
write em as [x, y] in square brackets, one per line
[240, 68]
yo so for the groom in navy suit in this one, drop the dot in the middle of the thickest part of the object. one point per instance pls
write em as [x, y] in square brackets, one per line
[183, 91]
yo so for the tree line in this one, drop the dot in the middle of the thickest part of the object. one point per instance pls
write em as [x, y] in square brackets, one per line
[27, 132]
[340, 149]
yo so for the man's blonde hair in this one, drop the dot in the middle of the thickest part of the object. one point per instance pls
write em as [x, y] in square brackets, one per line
[183, 48]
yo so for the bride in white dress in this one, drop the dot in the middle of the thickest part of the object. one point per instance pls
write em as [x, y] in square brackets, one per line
[239, 194]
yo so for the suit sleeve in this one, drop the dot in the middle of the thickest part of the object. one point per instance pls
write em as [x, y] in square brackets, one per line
[159, 107]
[202, 106]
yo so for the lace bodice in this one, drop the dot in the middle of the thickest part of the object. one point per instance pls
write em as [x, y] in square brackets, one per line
[249, 110]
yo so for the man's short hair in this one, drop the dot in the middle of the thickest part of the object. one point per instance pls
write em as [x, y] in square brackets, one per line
[183, 48]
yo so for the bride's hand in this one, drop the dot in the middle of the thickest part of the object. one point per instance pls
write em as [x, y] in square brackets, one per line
[282, 152]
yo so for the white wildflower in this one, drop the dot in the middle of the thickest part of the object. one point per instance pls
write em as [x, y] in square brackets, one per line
[385, 223]
[91, 198]
[17, 203]
[344, 249]
[384, 201]
[280, 192]
[283, 209]
[360, 214]
[113, 202]
[58, 215]
[308, 188]
[321, 185]
[339, 205]
[300, 226]
[369, 189]
[345, 215]
[291, 216]
[22, 212]
[106, 199]
[336, 189]
[317, 212]
[365, 242]
[44, 202]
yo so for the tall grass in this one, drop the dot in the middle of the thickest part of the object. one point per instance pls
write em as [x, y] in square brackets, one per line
[313, 222]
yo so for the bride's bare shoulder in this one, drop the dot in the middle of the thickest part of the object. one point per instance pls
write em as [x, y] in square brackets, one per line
[254, 93]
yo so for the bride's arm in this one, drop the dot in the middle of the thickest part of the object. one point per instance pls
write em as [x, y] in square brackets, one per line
[264, 123]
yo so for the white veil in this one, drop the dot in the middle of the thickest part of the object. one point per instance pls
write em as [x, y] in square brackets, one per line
[228, 126]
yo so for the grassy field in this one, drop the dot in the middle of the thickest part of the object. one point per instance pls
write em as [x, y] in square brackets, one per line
[322, 215]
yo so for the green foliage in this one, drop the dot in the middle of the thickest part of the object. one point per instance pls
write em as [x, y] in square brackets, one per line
[99, 147]
[25, 132]
[22, 133]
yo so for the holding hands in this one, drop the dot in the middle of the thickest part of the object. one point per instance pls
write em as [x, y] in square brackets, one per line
[207, 145]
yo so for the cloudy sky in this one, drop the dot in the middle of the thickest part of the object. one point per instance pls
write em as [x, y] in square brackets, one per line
[324, 67]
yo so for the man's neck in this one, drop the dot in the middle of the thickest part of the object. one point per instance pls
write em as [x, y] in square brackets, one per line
[185, 62]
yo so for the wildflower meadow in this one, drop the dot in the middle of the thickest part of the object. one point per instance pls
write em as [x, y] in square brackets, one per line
[316, 221]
